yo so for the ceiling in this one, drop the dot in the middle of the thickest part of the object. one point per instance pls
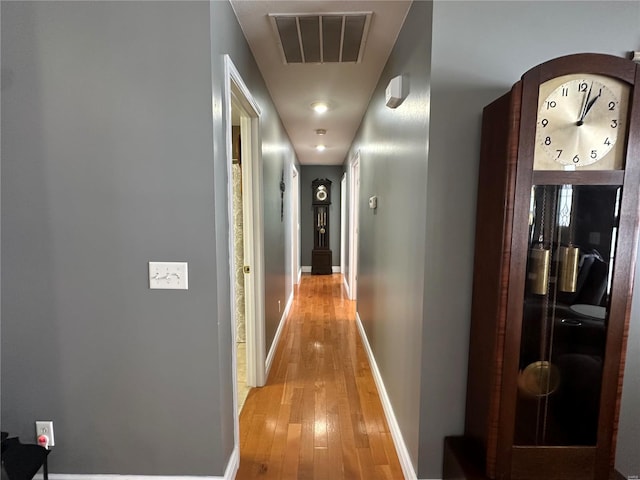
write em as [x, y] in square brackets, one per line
[345, 86]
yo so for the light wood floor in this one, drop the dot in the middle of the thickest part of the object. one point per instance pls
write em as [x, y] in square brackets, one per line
[319, 416]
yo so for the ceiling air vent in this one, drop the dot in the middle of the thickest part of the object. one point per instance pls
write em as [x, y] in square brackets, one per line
[324, 38]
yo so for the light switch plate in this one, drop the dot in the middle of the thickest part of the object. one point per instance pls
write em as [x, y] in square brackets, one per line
[169, 275]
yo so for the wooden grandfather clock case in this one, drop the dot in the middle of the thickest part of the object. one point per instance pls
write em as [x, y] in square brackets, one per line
[556, 242]
[321, 257]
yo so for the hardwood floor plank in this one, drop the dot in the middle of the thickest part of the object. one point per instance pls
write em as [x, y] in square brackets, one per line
[367, 468]
[320, 463]
[376, 446]
[334, 448]
[296, 406]
[320, 423]
[394, 463]
[292, 453]
[278, 450]
[319, 416]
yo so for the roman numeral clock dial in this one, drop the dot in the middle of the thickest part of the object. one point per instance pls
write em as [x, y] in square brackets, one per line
[579, 122]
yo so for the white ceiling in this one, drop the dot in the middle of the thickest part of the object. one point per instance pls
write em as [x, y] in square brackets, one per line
[347, 87]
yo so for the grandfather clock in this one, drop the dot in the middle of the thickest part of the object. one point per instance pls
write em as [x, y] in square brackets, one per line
[321, 253]
[556, 241]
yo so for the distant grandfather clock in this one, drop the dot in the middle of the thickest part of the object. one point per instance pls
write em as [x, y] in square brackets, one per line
[321, 254]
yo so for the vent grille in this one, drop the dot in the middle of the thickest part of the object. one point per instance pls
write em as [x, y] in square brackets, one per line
[325, 38]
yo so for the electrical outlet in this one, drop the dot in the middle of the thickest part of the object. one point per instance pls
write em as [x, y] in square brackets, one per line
[169, 275]
[46, 429]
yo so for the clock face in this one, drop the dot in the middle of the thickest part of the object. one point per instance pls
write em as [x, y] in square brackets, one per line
[581, 122]
[321, 193]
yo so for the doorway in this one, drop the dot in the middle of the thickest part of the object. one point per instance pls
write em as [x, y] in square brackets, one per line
[245, 241]
[238, 259]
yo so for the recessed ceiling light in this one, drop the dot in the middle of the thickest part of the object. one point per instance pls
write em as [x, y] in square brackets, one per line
[321, 131]
[321, 148]
[320, 107]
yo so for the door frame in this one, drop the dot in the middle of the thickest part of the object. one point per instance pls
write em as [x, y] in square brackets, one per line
[295, 226]
[343, 224]
[354, 215]
[250, 112]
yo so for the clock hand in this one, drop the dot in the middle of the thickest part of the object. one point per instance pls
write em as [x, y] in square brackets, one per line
[589, 107]
[584, 106]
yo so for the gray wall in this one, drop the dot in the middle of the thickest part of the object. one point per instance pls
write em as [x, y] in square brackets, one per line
[277, 231]
[112, 157]
[417, 320]
[393, 166]
[308, 173]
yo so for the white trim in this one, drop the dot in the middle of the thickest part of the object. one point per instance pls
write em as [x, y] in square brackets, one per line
[396, 434]
[276, 337]
[229, 474]
[295, 225]
[354, 216]
[233, 464]
[343, 222]
[113, 476]
[346, 285]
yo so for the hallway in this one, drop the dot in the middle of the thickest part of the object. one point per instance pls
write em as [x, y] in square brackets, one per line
[319, 416]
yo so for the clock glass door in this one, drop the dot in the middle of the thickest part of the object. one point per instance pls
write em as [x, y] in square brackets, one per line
[572, 246]
[321, 238]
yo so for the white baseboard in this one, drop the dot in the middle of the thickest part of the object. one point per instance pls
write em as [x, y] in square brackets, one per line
[307, 269]
[233, 464]
[113, 476]
[229, 474]
[276, 338]
[396, 434]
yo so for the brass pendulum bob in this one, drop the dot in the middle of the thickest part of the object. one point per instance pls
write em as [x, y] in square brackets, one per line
[569, 257]
[539, 270]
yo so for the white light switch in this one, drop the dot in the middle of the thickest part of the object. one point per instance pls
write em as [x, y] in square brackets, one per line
[169, 275]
